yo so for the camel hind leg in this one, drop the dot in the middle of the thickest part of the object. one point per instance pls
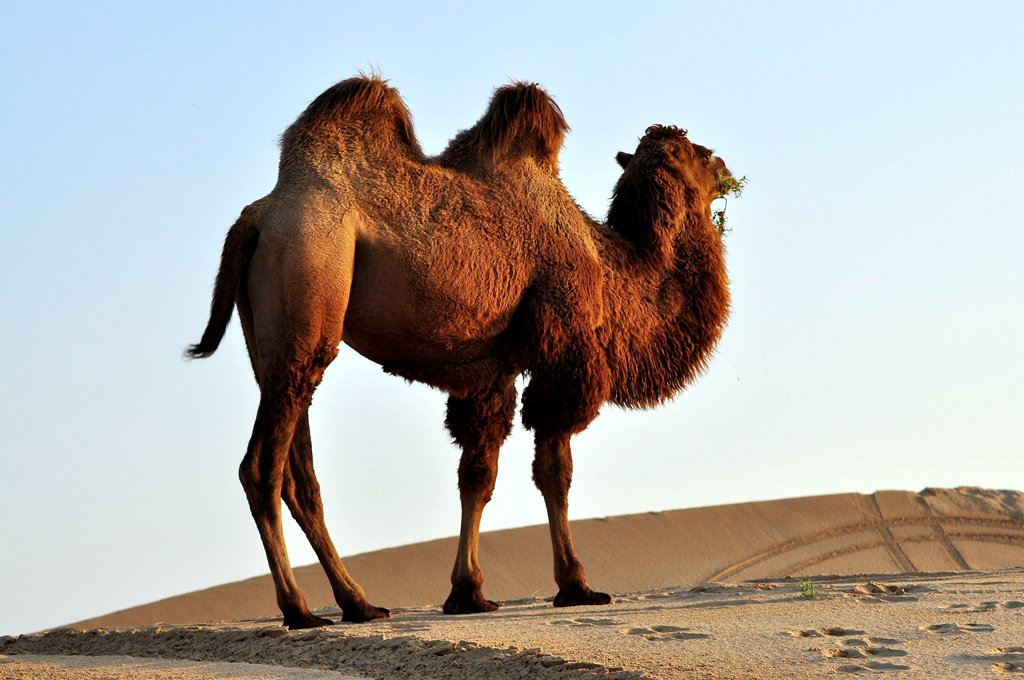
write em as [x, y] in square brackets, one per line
[479, 423]
[279, 465]
[292, 310]
[301, 493]
[285, 394]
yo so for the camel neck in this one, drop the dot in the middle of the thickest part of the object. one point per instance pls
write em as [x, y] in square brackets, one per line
[662, 319]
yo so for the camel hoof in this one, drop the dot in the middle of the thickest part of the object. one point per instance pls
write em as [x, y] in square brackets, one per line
[365, 613]
[471, 604]
[306, 620]
[580, 595]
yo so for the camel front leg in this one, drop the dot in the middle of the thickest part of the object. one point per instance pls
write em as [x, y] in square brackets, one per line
[301, 492]
[552, 473]
[479, 423]
[565, 393]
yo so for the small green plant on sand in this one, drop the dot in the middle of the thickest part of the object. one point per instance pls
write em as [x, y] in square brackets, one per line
[807, 588]
[728, 186]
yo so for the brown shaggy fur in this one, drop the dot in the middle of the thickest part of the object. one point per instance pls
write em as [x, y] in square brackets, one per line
[463, 271]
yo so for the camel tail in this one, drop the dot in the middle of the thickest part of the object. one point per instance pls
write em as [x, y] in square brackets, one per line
[238, 247]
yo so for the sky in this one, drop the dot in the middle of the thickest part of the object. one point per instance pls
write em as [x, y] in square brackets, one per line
[875, 260]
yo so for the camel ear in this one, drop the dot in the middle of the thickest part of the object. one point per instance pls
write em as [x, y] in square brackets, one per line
[623, 159]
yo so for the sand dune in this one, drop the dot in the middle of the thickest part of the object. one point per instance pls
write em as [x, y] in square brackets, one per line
[927, 585]
[885, 532]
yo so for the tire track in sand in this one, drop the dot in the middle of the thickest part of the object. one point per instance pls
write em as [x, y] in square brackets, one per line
[1012, 534]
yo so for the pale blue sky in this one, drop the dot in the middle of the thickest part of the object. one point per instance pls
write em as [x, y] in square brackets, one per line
[875, 258]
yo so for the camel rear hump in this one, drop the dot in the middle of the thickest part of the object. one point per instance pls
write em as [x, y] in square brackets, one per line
[521, 120]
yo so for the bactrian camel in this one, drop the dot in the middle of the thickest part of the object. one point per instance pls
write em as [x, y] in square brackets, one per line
[463, 271]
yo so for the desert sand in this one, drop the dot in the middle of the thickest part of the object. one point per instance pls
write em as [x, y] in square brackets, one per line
[922, 585]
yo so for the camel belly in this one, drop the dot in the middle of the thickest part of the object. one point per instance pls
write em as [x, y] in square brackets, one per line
[403, 344]
[409, 314]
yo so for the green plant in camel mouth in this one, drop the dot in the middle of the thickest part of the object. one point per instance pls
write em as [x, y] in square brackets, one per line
[727, 186]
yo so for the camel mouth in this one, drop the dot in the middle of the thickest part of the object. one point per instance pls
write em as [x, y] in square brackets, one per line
[729, 185]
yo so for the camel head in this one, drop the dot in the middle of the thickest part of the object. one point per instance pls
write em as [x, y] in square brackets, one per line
[667, 186]
[696, 167]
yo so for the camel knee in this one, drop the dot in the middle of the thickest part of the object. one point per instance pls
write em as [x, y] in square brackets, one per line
[262, 473]
[262, 477]
[303, 498]
[257, 490]
[479, 424]
[552, 467]
[248, 475]
[552, 483]
[477, 475]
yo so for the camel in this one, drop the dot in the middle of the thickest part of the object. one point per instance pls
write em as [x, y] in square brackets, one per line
[463, 271]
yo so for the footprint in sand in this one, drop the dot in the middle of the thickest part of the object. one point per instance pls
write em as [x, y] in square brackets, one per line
[712, 588]
[833, 631]
[803, 633]
[872, 666]
[839, 631]
[840, 653]
[958, 608]
[409, 627]
[585, 622]
[663, 594]
[1008, 660]
[663, 633]
[881, 592]
[1006, 668]
[982, 608]
[965, 608]
[1002, 654]
[863, 647]
[852, 652]
[880, 652]
[872, 588]
[944, 628]
[871, 642]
